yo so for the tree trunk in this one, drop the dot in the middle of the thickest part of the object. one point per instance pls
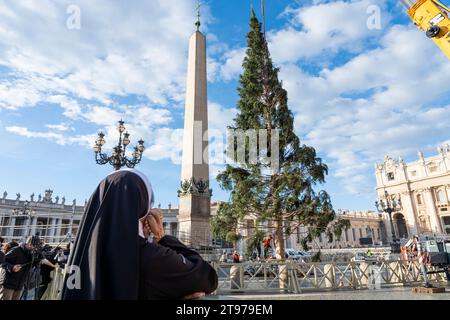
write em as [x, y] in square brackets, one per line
[280, 253]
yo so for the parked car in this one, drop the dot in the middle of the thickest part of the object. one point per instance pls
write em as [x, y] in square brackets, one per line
[294, 255]
[306, 256]
[361, 257]
[258, 271]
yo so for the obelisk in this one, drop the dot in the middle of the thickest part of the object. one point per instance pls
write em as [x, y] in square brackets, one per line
[195, 194]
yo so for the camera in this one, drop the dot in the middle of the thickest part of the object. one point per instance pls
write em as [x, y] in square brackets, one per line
[33, 277]
[36, 243]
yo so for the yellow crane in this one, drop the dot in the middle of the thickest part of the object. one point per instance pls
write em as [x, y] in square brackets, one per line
[432, 17]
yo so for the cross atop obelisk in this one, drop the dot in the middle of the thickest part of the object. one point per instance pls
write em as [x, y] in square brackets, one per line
[197, 23]
[194, 193]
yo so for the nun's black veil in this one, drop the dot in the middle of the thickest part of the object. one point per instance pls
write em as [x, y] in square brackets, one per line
[107, 245]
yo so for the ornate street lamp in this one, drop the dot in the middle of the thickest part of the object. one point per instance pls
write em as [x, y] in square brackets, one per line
[118, 159]
[389, 206]
[26, 212]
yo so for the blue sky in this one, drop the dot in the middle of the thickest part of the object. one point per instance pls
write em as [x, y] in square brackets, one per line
[357, 93]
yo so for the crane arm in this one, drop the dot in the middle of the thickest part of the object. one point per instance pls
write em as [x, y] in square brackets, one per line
[439, 4]
[432, 17]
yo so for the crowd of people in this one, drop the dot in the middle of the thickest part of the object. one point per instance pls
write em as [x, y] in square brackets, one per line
[25, 268]
[257, 254]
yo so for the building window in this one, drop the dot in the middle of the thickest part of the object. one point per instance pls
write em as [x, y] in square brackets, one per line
[65, 228]
[432, 168]
[424, 223]
[446, 223]
[440, 195]
[353, 234]
[419, 199]
[378, 233]
[17, 231]
[360, 233]
[369, 232]
[346, 235]
[320, 238]
[174, 229]
[390, 176]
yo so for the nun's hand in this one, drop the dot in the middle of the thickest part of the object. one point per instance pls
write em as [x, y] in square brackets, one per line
[194, 296]
[16, 268]
[156, 223]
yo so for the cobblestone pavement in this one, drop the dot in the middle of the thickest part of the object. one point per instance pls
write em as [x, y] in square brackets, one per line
[403, 293]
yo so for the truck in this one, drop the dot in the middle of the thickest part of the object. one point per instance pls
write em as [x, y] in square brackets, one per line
[434, 251]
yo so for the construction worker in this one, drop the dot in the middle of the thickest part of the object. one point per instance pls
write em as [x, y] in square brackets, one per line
[236, 257]
[267, 243]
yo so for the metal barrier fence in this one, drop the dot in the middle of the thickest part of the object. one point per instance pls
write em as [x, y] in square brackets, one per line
[264, 277]
[54, 289]
[299, 277]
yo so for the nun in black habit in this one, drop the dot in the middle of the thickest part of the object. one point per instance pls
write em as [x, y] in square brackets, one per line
[115, 258]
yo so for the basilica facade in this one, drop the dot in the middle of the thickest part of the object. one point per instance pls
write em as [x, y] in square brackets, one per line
[423, 188]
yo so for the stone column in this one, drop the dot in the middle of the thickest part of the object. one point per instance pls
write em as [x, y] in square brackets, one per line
[431, 208]
[173, 229]
[33, 226]
[26, 227]
[52, 227]
[58, 230]
[2, 228]
[408, 211]
[12, 224]
[387, 226]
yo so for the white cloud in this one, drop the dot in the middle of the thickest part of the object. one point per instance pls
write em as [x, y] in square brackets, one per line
[219, 117]
[59, 138]
[232, 65]
[383, 101]
[386, 99]
[119, 50]
[312, 31]
[60, 127]
[137, 51]
[332, 26]
[17, 94]
[166, 144]
[71, 107]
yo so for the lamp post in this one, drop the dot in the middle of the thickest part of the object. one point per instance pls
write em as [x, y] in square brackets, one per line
[118, 159]
[26, 212]
[389, 206]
